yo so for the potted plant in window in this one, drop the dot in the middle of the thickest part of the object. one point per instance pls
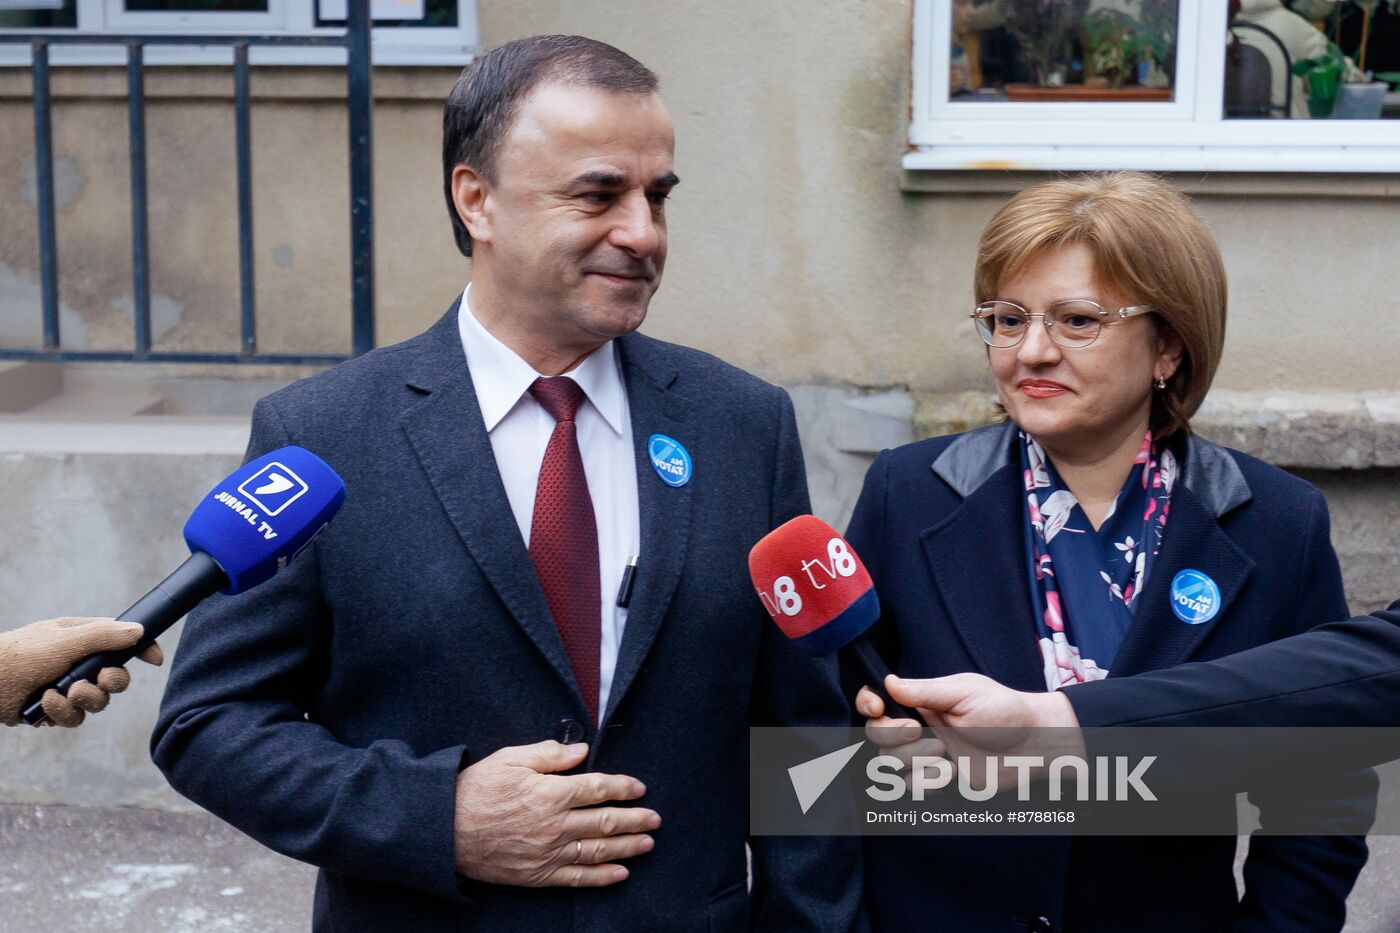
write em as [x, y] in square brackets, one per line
[1112, 45]
[1110, 48]
[1322, 76]
[1338, 86]
[1156, 40]
[1045, 31]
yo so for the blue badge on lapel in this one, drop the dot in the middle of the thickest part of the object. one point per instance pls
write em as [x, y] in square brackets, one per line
[1195, 597]
[670, 460]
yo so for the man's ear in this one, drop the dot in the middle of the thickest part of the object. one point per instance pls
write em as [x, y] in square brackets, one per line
[471, 195]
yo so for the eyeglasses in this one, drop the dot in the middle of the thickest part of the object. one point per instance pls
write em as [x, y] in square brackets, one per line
[1072, 324]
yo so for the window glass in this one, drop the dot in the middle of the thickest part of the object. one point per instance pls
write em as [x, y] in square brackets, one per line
[55, 15]
[1312, 60]
[1063, 50]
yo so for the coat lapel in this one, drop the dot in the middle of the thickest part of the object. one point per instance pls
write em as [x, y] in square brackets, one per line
[977, 560]
[1194, 541]
[448, 436]
[664, 511]
[978, 563]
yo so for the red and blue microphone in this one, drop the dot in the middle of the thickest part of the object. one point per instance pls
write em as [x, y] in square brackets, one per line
[821, 596]
[248, 528]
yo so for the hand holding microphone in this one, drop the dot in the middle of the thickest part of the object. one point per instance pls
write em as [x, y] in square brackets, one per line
[37, 654]
[248, 528]
[977, 719]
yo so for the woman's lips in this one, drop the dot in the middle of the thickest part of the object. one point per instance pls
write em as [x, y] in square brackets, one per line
[1041, 388]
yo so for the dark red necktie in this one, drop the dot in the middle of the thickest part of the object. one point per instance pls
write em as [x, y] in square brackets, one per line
[564, 537]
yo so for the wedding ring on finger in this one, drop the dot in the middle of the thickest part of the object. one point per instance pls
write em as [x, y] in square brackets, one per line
[578, 851]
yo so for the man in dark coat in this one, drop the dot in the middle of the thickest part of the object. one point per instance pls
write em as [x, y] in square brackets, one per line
[510, 687]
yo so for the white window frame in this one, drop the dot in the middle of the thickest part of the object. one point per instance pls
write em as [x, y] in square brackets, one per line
[1188, 133]
[389, 45]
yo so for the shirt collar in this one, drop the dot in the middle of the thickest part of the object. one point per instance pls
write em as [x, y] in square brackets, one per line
[501, 377]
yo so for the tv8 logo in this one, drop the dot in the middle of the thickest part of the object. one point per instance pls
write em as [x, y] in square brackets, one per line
[840, 563]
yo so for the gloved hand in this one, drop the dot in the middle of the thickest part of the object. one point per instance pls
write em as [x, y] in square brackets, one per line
[41, 653]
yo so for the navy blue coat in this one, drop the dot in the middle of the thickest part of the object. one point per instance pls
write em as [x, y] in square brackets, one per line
[328, 712]
[940, 524]
[1340, 674]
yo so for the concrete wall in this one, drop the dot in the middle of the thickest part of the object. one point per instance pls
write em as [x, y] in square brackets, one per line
[91, 515]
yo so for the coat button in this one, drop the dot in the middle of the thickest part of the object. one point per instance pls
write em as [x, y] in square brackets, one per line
[1040, 925]
[571, 731]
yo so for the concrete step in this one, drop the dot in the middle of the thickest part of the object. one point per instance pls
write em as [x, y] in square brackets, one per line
[100, 401]
[118, 390]
[24, 384]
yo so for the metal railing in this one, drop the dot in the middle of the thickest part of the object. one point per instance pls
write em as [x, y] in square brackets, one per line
[355, 40]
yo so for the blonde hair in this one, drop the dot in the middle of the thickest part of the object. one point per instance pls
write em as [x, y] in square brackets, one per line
[1148, 243]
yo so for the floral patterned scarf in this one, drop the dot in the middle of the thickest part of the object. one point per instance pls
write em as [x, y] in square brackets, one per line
[1085, 583]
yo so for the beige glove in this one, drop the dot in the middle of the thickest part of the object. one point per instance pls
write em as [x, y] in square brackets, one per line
[41, 653]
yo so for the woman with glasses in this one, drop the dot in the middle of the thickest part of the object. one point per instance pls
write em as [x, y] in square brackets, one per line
[1088, 535]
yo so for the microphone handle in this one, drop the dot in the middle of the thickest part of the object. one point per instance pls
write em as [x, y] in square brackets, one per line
[195, 580]
[875, 670]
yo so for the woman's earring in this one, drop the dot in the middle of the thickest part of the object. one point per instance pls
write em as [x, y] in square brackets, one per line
[1161, 382]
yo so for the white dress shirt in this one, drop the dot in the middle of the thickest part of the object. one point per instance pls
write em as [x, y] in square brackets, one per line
[520, 429]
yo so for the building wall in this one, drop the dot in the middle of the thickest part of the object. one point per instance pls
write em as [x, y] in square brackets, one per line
[799, 247]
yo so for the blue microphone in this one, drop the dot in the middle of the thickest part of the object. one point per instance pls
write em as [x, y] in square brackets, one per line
[249, 527]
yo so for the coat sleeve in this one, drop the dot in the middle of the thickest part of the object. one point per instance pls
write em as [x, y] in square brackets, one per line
[1343, 673]
[1302, 882]
[800, 883]
[234, 736]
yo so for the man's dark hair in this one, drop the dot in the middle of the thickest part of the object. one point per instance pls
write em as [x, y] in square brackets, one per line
[487, 97]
